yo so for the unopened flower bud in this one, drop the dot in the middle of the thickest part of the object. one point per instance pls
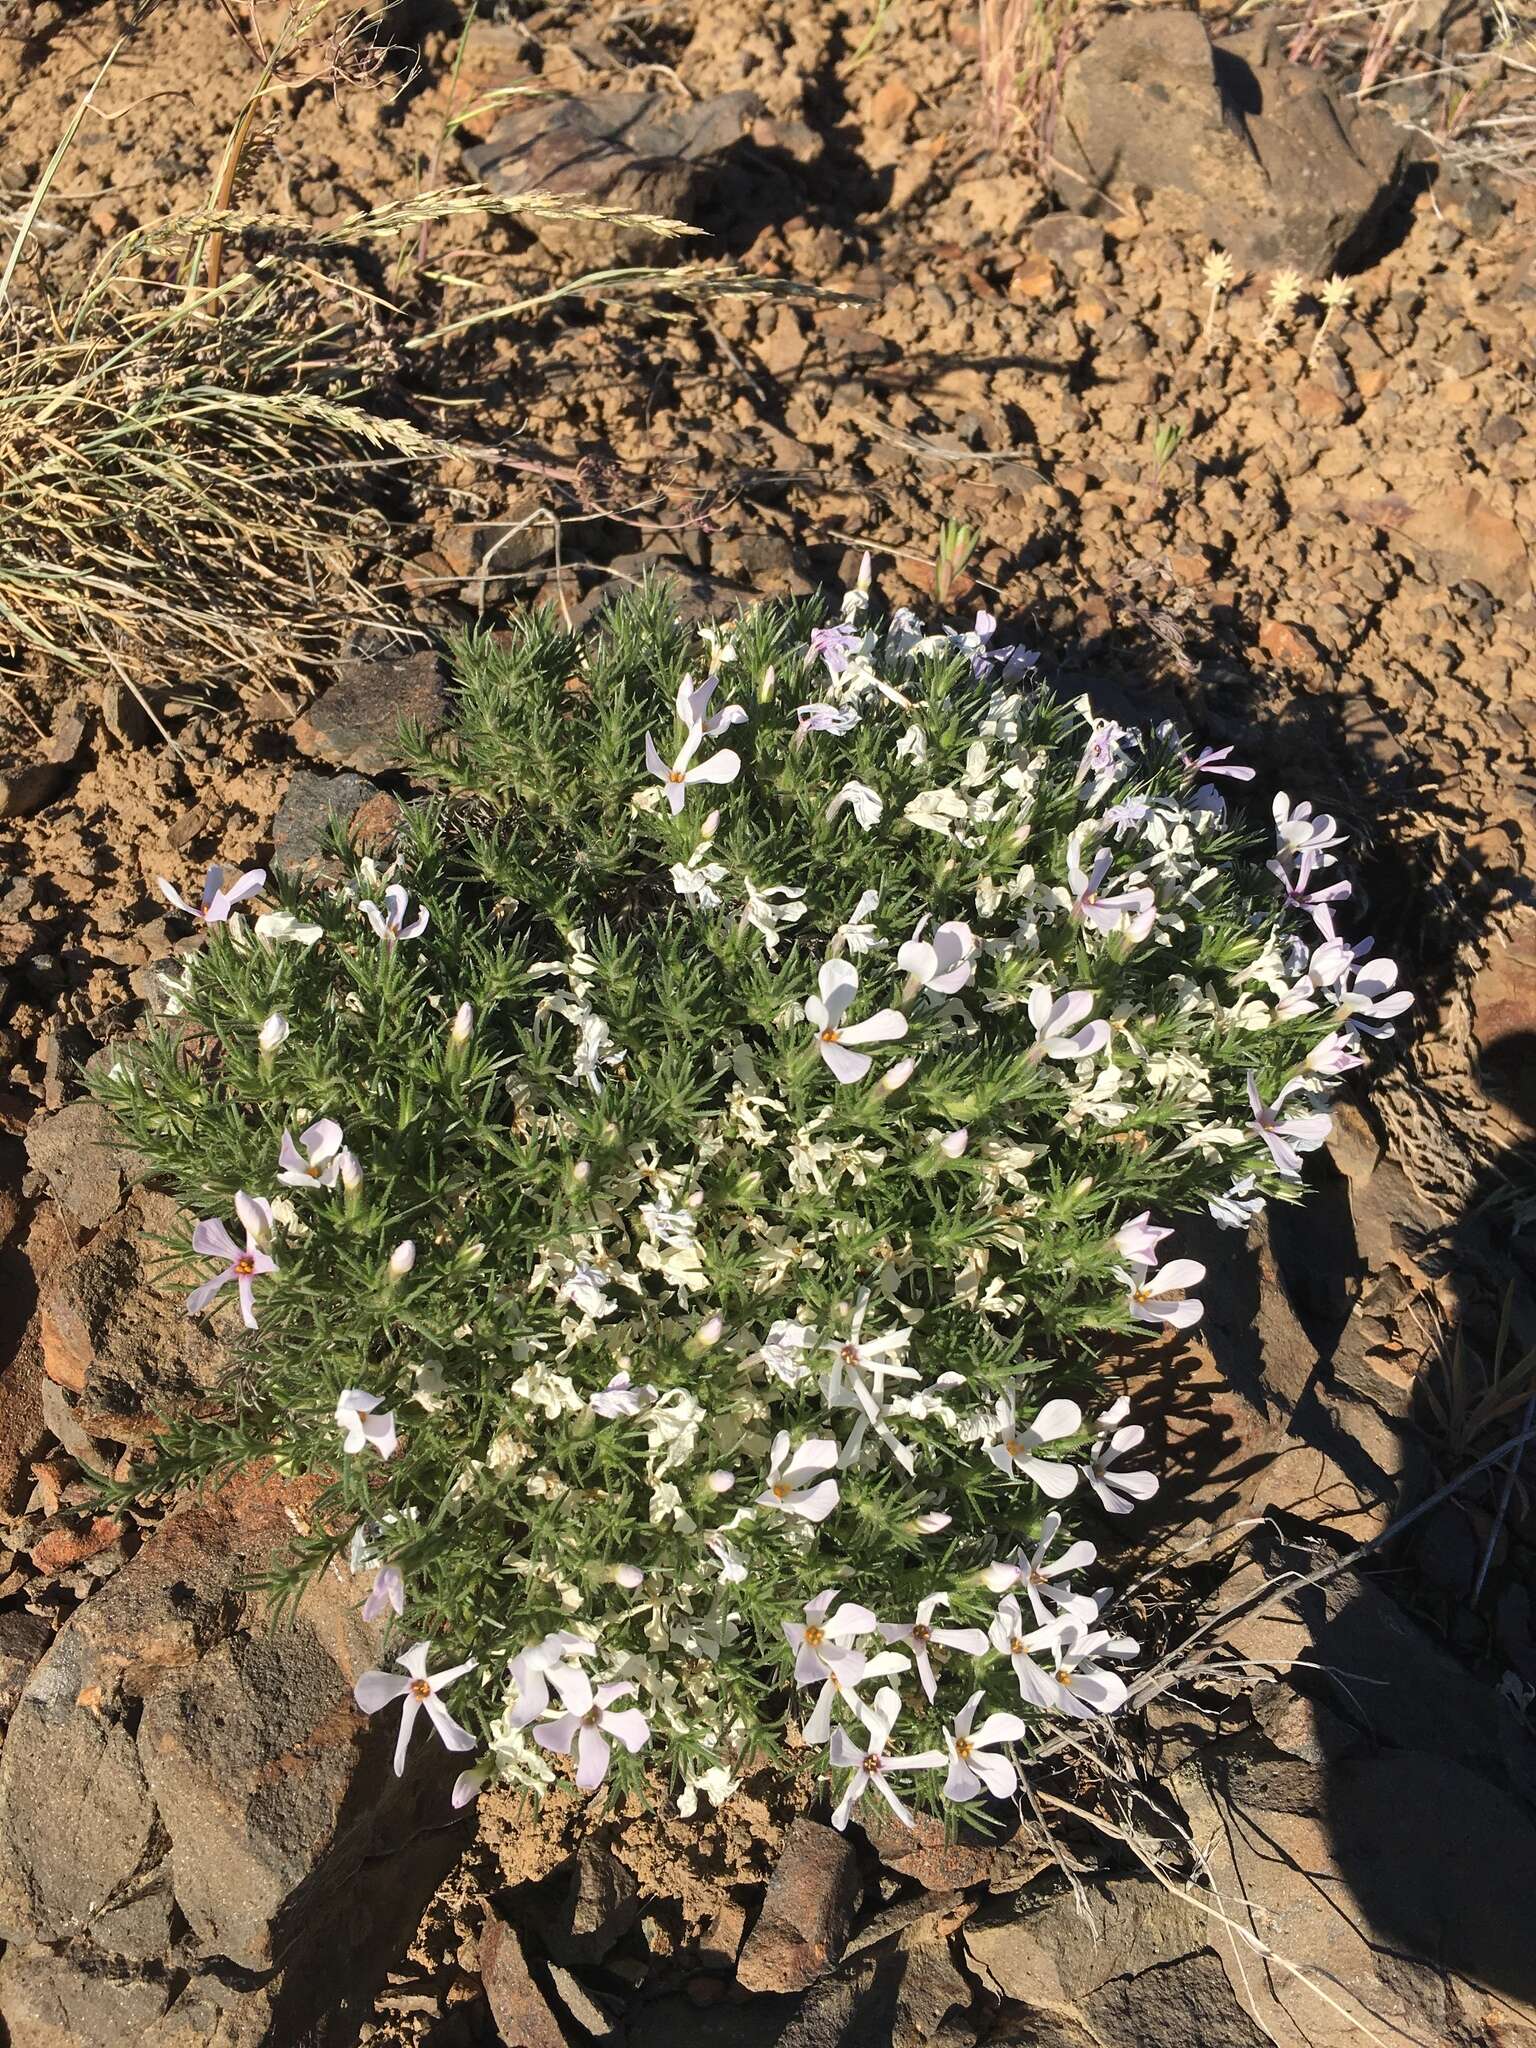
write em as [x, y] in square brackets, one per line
[402, 1258]
[629, 1576]
[720, 1482]
[711, 1332]
[765, 687]
[953, 1146]
[896, 1077]
[581, 1172]
[710, 826]
[472, 1253]
[463, 1024]
[998, 1577]
[273, 1032]
[932, 1522]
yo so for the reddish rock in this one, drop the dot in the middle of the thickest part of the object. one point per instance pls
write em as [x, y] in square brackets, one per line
[803, 1927]
[355, 723]
[522, 2013]
[1286, 643]
[61, 1549]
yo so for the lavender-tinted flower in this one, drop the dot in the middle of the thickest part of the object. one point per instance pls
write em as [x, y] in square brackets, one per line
[942, 964]
[212, 1241]
[418, 1688]
[1133, 911]
[589, 1725]
[388, 1591]
[217, 901]
[1061, 1029]
[1287, 1137]
[837, 719]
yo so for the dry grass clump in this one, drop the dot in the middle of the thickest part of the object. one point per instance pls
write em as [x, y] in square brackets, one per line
[189, 477]
[1024, 47]
[194, 439]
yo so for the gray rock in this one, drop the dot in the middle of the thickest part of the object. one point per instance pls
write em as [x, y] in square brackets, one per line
[24, 1638]
[522, 2011]
[117, 1337]
[50, 2001]
[601, 1907]
[1236, 144]
[187, 1796]
[309, 803]
[76, 1150]
[638, 151]
[355, 722]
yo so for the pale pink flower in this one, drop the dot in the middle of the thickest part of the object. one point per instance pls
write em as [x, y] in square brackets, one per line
[1133, 911]
[839, 1689]
[1298, 831]
[588, 1723]
[210, 1240]
[1159, 1297]
[530, 1672]
[1137, 1241]
[1215, 761]
[838, 982]
[390, 922]
[974, 1766]
[418, 1688]
[941, 964]
[921, 1635]
[1287, 1137]
[318, 1164]
[1062, 1031]
[217, 901]
[693, 703]
[796, 1482]
[1015, 1448]
[358, 1416]
[388, 1591]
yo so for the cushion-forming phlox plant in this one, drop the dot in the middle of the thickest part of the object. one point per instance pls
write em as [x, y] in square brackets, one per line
[683, 1202]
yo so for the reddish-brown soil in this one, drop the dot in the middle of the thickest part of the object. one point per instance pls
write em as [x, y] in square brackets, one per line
[1334, 573]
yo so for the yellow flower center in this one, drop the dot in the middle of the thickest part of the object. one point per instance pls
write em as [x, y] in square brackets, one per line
[245, 1265]
[421, 1689]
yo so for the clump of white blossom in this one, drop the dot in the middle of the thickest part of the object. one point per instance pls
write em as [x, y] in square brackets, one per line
[686, 1197]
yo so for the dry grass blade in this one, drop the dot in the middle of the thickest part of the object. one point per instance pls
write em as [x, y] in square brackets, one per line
[1023, 50]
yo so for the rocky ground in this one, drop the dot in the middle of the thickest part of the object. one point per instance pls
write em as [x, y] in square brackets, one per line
[1332, 572]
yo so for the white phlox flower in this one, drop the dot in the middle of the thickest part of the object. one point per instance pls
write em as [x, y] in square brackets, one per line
[921, 1637]
[873, 1764]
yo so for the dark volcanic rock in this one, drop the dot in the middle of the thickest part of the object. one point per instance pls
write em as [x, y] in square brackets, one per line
[1234, 143]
